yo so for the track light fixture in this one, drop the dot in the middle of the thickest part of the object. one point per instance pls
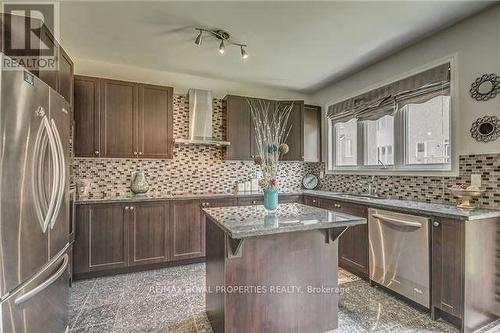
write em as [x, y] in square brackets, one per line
[222, 48]
[224, 38]
[197, 41]
[244, 53]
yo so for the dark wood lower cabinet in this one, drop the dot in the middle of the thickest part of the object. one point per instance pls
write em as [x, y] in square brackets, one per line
[148, 233]
[448, 259]
[101, 238]
[188, 229]
[353, 244]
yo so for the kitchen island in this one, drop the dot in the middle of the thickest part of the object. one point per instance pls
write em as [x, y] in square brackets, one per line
[273, 272]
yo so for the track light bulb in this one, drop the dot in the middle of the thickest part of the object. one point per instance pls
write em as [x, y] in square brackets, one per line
[244, 53]
[198, 39]
[222, 48]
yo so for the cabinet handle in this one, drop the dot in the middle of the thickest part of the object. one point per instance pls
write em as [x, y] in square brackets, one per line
[254, 202]
[435, 223]
[202, 204]
[126, 207]
[132, 208]
[140, 153]
[314, 200]
[208, 204]
[336, 205]
[96, 152]
[135, 153]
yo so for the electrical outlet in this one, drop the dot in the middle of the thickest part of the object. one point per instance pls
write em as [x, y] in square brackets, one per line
[475, 180]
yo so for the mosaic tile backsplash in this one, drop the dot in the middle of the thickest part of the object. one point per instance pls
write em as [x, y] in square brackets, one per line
[193, 169]
[425, 188]
[201, 169]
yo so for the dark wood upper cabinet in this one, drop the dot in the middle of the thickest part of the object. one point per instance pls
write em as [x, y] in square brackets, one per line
[148, 232]
[101, 238]
[65, 76]
[295, 139]
[48, 41]
[448, 260]
[58, 69]
[187, 229]
[86, 114]
[118, 119]
[122, 119]
[155, 134]
[240, 130]
[312, 133]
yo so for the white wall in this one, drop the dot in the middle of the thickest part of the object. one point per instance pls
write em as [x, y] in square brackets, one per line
[181, 82]
[476, 44]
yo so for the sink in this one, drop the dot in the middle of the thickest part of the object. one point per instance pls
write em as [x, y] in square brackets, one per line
[363, 196]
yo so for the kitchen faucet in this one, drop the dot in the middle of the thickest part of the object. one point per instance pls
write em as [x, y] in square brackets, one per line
[371, 190]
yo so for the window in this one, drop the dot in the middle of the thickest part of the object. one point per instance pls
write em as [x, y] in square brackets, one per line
[379, 140]
[428, 131]
[401, 126]
[346, 139]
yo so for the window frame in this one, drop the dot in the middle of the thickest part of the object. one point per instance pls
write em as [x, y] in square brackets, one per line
[399, 151]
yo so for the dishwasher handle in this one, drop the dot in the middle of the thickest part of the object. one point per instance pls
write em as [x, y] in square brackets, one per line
[397, 222]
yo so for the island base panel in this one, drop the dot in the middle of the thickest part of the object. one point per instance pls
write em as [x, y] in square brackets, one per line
[277, 262]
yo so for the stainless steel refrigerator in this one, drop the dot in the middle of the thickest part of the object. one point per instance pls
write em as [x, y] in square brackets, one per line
[34, 204]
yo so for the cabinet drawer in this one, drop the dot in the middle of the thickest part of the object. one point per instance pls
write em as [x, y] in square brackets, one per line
[290, 199]
[248, 201]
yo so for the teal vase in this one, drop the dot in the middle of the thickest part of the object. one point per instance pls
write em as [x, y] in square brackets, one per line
[271, 199]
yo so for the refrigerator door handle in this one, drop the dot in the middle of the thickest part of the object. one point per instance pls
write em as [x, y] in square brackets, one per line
[45, 284]
[61, 175]
[38, 174]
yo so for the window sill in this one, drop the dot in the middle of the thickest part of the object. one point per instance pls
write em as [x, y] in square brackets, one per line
[394, 172]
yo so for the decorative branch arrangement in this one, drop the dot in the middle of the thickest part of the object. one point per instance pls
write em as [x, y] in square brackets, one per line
[271, 132]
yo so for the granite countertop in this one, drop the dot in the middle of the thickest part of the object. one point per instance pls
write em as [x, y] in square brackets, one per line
[411, 207]
[248, 221]
[405, 206]
[173, 196]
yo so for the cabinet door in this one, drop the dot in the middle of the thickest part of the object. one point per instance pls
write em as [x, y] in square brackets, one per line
[295, 139]
[353, 244]
[312, 133]
[311, 201]
[155, 121]
[448, 238]
[148, 232]
[86, 113]
[118, 113]
[239, 129]
[50, 49]
[65, 76]
[187, 229]
[101, 237]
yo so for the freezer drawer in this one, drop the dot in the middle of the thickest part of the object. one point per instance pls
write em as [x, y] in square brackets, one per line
[399, 253]
[42, 304]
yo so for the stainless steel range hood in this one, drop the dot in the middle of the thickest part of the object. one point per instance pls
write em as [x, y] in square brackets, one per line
[200, 120]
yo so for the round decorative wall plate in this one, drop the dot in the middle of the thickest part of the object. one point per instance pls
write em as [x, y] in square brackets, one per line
[310, 181]
[486, 129]
[485, 87]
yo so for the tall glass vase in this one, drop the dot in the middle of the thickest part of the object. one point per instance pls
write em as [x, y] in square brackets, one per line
[271, 199]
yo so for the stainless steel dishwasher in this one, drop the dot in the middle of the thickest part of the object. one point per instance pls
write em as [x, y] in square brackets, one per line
[399, 253]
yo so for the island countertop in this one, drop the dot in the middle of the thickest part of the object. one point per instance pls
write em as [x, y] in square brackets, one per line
[248, 221]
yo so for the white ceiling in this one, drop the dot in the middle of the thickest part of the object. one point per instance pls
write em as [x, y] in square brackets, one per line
[300, 45]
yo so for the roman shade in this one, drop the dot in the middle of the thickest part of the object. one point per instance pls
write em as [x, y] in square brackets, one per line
[387, 99]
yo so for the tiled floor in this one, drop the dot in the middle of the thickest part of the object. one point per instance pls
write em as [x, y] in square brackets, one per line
[171, 300]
